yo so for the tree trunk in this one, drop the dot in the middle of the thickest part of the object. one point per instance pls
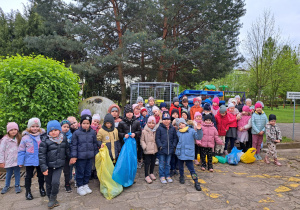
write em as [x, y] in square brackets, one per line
[143, 67]
[161, 67]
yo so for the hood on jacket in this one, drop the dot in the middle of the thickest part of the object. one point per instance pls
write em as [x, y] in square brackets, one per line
[109, 118]
[112, 106]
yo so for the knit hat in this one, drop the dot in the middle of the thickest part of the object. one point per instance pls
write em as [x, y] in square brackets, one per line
[128, 109]
[207, 107]
[197, 99]
[223, 109]
[207, 117]
[197, 114]
[143, 110]
[216, 100]
[272, 117]
[155, 108]
[184, 111]
[246, 109]
[139, 99]
[134, 106]
[86, 117]
[233, 100]
[162, 105]
[151, 119]
[96, 117]
[258, 105]
[237, 97]
[230, 105]
[33, 121]
[86, 111]
[65, 122]
[109, 118]
[175, 110]
[114, 109]
[53, 125]
[12, 125]
[175, 99]
[181, 120]
[262, 104]
[150, 98]
[207, 101]
[166, 115]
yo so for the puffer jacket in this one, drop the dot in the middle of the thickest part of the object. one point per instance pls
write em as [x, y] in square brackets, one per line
[232, 120]
[166, 139]
[84, 144]
[28, 151]
[223, 123]
[149, 109]
[51, 154]
[126, 126]
[111, 139]
[9, 151]
[272, 133]
[259, 122]
[195, 109]
[210, 136]
[213, 119]
[185, 149]
[244, 123]
[148, 141]
[175, 107]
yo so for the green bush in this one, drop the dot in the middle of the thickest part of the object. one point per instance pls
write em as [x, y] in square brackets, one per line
[35, 86]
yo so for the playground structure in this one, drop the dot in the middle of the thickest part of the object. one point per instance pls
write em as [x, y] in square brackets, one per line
[161, 91]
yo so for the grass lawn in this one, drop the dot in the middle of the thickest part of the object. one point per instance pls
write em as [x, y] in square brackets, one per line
[284, 140]
[284, 115]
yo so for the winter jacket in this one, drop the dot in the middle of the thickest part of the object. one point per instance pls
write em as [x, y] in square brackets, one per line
[185, 149]
[187, 109]
[143, 121]
[51, 154]
[272, 133]
[9, 152]
[244, 122]
[28, 151]
[129, 126]
[195, 109]
[223, 123]
[239, 107]
[149, 109]
[232, 120]
[84, 144]
[213, 119]
[210, 136]
[148, 141]
[259, 122]
[111, 139]
[166, 139]
[175, 107]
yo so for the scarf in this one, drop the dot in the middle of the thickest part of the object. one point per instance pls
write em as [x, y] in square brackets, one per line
[157, 118]
[198, 121]
[262, 112]
[183, 130]
[58, 139]
[216, 107]
[69, 136]
[138, 115]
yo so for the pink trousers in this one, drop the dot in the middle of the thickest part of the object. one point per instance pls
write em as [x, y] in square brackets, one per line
[256, 142]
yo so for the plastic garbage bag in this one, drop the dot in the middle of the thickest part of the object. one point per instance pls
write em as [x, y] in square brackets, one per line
[248, 157]
[198, 158]
[214, 160]
[233, 158]
[221, 159]
[240, 154]
[126, 166]
[108, 187]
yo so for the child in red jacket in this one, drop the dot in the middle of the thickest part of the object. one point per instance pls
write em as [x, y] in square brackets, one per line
[222, 120]
[175, 105]
[231, 134]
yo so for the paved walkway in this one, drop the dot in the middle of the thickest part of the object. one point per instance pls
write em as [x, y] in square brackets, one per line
[287, 130]
[245, 186]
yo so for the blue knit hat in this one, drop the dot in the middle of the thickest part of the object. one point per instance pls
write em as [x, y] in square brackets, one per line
[162, 105]
[53, 125]
[207, 107]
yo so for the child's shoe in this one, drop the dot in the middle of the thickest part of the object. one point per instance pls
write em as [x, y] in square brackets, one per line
[52, 202]
[202, 168]
[87, 189]
[256, 156]
[148, 180]
[156, 162]
[139, 165]
[4, 190]
[68, 188]
[169, 179]
[259, 157]
[211, 170]
[267, 159]
[75, 184]
[17, 189]
[225, 152]
[81, 191]
[172, 173]
[163, 180]
[276, 162]
[152, 177]
[28, 195]
[196, 162]
[181, 180]
[197, 186]
[42, 191]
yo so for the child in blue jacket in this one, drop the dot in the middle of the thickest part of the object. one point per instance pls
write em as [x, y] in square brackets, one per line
[185, 150]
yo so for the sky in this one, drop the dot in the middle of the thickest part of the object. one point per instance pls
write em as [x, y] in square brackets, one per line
[286, 14]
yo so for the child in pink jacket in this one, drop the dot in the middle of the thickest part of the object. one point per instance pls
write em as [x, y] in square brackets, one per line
[243, 126]
[207, 143]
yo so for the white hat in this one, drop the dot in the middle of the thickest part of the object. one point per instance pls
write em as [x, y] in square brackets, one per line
[96, 117]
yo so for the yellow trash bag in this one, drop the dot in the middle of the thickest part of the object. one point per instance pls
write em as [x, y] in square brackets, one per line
[214, 160]
[108, 187]
[198, 158]
[248, 157]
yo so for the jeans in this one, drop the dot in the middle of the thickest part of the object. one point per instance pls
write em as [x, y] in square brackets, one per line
[189, 164]
[83, 171]
[53, 180]
[29, 175]
[164, 165]
[9, 172]
[149, 163]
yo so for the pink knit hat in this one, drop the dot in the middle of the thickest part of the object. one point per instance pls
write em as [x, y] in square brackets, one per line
[134, 106]
[216, 100]
[151, 119]
[258, 105]
[197, 114]
[246, 109]
[12, 125]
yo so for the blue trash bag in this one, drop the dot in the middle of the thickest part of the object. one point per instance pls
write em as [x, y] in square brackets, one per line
[126, 166]
[233, 158]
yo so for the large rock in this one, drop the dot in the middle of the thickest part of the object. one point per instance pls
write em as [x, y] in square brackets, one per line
[97, 105]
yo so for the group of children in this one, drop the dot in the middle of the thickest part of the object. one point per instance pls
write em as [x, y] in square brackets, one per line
[170, 137]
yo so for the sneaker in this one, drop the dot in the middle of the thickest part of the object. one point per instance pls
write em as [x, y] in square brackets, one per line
[148, 180]
[75, 185]
[152, 177]
[259, 157]
[202, 168]
[169, 179]
[4, 190]
[256, 156]
[181, 180]
[68, 188]
[211, 170]
[17, 189]
[197, 186]
[81, 191]
[225, 152]
[163, 180]
[139, 165]
[157, 162]
[196, 162]
[87, 189]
